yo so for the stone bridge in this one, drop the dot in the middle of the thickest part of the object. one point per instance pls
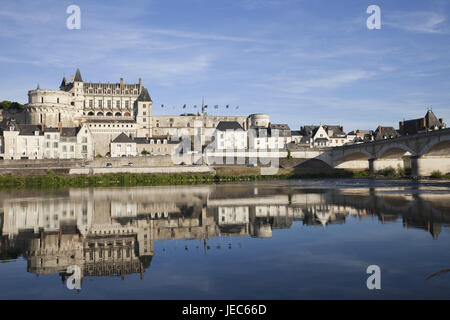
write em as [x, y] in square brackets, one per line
[423, 153]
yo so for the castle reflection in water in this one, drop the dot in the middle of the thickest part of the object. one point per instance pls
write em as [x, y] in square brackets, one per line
[111, 232]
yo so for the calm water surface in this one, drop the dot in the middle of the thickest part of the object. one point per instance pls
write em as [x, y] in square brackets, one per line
[280, 240]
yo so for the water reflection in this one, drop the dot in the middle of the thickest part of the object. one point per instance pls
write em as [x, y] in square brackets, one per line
[111, 232]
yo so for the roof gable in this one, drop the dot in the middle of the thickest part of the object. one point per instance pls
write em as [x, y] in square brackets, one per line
[122, 138]
[228, 125]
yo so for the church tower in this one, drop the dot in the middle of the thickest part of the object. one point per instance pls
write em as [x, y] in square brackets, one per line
[143, 114]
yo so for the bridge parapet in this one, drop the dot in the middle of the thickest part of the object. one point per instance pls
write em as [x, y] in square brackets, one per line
[423, 153]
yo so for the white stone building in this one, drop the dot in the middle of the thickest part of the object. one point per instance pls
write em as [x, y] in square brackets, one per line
[22, 141]
[229, 135]
[109, 109]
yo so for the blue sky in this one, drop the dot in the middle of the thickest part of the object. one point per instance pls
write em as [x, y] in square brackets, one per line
[303, 62]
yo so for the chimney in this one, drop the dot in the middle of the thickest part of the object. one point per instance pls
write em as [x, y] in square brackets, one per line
[379, 128]
[60, 127]
[121, 82]
[140, 84]
[72, 78]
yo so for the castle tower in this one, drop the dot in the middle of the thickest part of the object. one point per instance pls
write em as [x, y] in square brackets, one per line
[78, 94]
[143, 114]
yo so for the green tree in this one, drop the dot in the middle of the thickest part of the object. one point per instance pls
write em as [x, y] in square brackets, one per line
[5, 104]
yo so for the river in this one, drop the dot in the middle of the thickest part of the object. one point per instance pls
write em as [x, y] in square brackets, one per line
[296, 239]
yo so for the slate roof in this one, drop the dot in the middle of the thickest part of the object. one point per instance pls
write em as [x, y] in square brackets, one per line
[63, 84]
[228, 125]
[283, 130]
[147, 140]
[144, 96]
[309, 131]
[122, 138]
[280, 126]
[69, 131]
[338, 131]
[29, 129]
[430, 121]
[385, 133]
[125, 121]
[78, 76]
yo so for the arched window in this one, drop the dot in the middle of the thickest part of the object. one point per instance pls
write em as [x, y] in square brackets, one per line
[100, 113]
[91, 113]
[118, 114]
[109, 114]
[126, 114]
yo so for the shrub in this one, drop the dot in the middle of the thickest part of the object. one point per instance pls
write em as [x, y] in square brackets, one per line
[145, 152]
[98, 155]
[388, 172]
[289, 155]
[436, 174]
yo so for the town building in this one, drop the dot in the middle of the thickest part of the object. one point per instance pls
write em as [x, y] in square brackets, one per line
[25, 141]
[428, 123]
[229, 135]
[325, 136]
[382, 133]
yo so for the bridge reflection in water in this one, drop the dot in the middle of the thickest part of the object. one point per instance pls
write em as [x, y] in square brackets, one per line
[111, 232]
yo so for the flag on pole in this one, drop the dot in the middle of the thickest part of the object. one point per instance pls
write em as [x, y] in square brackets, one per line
[184, 107]
[162, 106]
[227, 106]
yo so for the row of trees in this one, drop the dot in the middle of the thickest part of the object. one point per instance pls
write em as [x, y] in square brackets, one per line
[5, 104]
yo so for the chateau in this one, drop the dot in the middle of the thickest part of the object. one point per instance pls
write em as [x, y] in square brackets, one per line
[111, 109]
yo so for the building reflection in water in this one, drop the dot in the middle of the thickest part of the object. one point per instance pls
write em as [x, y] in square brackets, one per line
[111, 232]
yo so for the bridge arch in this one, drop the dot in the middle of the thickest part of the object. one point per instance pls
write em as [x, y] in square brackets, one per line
[352, 159]
[358, 154]
[395, 150]
[434, 144]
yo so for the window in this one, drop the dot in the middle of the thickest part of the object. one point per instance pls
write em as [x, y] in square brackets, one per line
[72, 148]
[109, 104]
[84, 140]
[127, 103]
[55, 144]
[100, 103]
[117, 104]
[64, 148]
[84, 148]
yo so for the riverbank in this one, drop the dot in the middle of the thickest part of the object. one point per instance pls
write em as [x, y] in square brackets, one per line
[223, 174]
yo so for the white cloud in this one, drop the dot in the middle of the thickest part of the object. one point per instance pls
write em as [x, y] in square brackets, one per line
[421, 22]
